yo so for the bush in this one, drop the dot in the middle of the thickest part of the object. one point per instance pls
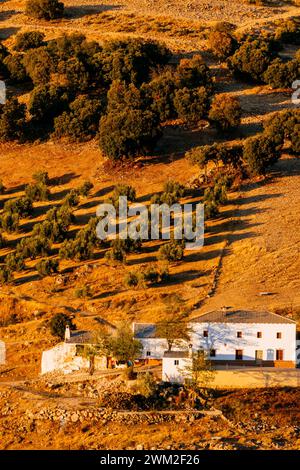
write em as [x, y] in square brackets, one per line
[37, 192]
[288, 32]
[122, 190]
[2, 241]
[28, 40]
[252, 59]
[33, 247]
[81, 122]
[46, 267]
[83, 292]
[21, 206]
[172, 251]
[193, 73]
[259, 152]
[16, 69]
[85, 189]
[281, 74]
[15, 262]
[172, 192]
[71, 199]
[123, 95]
[225, 112]
[41, 177]
[82, 247]
[161, 92]
[132, 60]
[5, 275]
[58, 324]
[12, 120]
[128, 133]
[9, 222]
[38, 64]
[44, 9]
[191, 104]
[47, 101]
[295, 139]
[222, 44]
[117, 251]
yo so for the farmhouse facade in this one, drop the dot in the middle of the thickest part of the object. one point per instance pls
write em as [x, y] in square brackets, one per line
[232, 337]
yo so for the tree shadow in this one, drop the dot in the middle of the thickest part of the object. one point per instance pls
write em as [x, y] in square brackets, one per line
[5, 33]
[79, 11]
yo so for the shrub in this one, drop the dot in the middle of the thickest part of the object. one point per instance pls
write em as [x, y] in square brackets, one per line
[81, 122]
[85, 189]
[172, 251]
[38, 65]
[82, 247]
[71, 199]
[9, 222]
[252, 59]
[211, 210]
[117, 251]
[161, 92]
[259, 152]
[2, 241]
[128, 133]
[281, 74]
[191, 104]
[131, 60]
[41, 177]
[295, 139]
[21, 206]
[37, 192]
[132, 279]
[15, 67]
[5, 275]
[225, 112]
[288, 32]
[172, 192]
[12, 120]
[193, 73]
[222, 44]
[15, 262]
[83, 292]
[123, 95]
[122, 190]
[33, 247]
[28, 40]
[46, 267]
[44, 9]
[58, 324]
[47, 101]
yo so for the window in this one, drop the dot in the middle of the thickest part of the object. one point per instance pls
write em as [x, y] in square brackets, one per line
[176, 362]
[239, 355]
[259, 334]
[148, 353]
[279, 335]
[259, 355]
[239, 334]
[205, 333]
[212, 353]
[279, 354]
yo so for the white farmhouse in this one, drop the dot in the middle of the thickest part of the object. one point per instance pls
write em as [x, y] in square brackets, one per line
[67, 356]
[176, 366]
[2, 353]
[231, 337]
[246, 338]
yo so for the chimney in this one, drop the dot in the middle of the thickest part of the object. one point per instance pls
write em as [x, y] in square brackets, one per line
[67, 333]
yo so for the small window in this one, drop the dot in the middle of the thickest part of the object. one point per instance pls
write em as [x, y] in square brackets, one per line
[205, 333]
[259, 334]
[148, 353]
[279, 335]
[279, 355]
[176, 362]
[239, 334]
[212, 353]
[239, 354]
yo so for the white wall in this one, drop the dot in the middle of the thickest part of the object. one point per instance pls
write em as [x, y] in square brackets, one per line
[2, 352]
[62, 357]
[175, 373]
[223, 338]
[157, 347]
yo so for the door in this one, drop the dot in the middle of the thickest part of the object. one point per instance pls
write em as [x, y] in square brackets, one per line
[259, 355]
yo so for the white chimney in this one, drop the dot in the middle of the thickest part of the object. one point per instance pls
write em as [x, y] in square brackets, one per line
[67, 333]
